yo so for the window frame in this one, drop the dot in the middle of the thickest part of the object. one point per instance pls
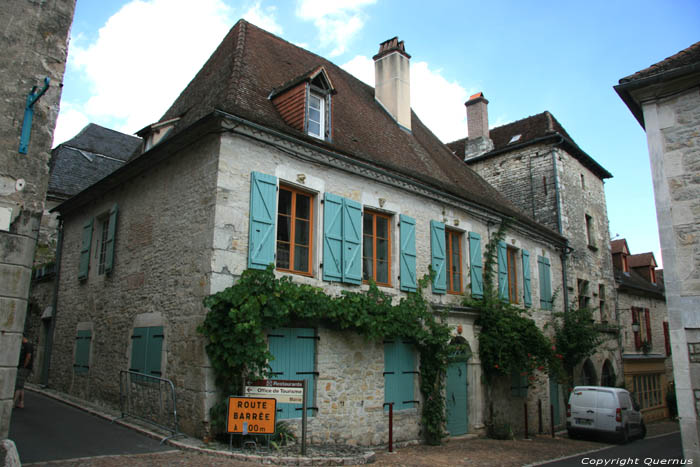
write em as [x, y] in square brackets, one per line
[512, 267]
[292, 232]
[590, 231]
[449, 234]
[322, 115]
[388, 217]
[101, 247]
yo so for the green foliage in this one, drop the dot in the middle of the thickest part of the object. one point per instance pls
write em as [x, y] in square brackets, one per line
[238, 317]
[577, 336]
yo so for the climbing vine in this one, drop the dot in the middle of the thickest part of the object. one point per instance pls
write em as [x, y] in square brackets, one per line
[239, 316]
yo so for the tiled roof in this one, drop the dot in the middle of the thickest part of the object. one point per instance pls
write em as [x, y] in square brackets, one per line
[532, 130]
[251, 63]
[634, 282]
[91, 155]
[685, 57]
[641, 260]
[619, 246]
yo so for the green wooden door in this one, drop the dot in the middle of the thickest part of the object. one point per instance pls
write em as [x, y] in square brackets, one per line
[456, 403]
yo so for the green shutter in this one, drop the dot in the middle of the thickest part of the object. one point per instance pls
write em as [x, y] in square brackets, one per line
[392, 374]
[548, 282]
[111, 232]
[502, 271]
[82, 351]
[438, 256]
[476, 265]
[407, 258]
[352, 241]
[154, 351]
[263, 212]
[294, 359]
[543, 267]
[527, 293]
[85, 250]
[139, 343]
[332, 237]
[399, 374]
[408, 372]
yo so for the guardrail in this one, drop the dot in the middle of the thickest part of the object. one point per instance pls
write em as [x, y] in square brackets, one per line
[150, 399]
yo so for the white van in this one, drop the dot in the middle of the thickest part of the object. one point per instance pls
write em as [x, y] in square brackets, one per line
[603, 410]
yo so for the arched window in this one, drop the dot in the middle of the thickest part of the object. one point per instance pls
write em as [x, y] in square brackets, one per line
[607, 377]
[588, 375]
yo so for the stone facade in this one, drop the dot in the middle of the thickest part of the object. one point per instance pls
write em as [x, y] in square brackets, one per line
[34, 44]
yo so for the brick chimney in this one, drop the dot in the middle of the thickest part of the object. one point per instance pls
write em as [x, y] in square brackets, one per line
[392, 83]
[478, 142]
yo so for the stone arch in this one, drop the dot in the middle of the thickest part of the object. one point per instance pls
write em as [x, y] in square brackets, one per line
[460, 350]
[589, 376]
[607, 376]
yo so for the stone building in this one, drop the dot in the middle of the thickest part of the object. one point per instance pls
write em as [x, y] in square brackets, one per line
[92, 154]
[34, 45]
[536, 164]
[264, 126]
[644, 331]
[664, 99]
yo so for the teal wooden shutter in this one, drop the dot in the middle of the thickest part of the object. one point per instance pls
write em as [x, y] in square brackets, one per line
[527, 298]
[543, 267]
[438, 256]
[406, 357]
[277, 342]
[392, 374]
[82, 351]
[154, 351]
[85, 250]
[263, 211]
[476, 265]
[548, 282]
[139, 343]
[407, 258]
[502, 271]
[352, 241]
[332, 238]
[111, 232]
[294, 359]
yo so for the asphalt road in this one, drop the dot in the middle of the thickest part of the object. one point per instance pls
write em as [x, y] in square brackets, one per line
[648, 451]
[47, 430]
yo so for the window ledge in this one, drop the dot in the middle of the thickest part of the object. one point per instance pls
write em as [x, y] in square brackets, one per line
[592, 247]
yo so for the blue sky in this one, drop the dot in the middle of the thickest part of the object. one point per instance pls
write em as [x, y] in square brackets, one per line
[128, 60]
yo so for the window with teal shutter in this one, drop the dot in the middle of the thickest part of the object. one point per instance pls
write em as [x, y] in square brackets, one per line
[399, 374]
[82, 351]
[476, 265]
[352, 241]
[85, 250]
[527, 293]
[342, 238]
[294, 351]
[111, 233]
[147, 350]
[438, 256]
[263, 211]
[407, 257]
[502, 271]
[543, 267]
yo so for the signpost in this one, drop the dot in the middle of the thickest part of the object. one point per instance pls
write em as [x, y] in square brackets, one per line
[285, 391]
[251, 415]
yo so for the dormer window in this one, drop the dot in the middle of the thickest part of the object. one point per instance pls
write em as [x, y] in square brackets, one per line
[317, 116]
[625, 265]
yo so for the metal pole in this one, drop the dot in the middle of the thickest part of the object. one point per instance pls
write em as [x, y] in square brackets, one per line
[551, 418]
[525, 412]
[391, 425]
[303, 420]
[539, 416]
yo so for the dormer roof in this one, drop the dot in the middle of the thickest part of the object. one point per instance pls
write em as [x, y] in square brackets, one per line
[619, 246]
[642, 260]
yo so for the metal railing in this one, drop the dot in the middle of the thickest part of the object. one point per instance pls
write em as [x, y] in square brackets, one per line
[150, 399]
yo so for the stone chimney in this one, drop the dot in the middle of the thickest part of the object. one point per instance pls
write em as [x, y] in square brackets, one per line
[478, 142]
[392, 83]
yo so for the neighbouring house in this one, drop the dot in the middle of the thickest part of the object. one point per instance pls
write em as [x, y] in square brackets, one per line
[537, 165]
[664, 99]
[273, 154]
[92, 154]
[643, 318]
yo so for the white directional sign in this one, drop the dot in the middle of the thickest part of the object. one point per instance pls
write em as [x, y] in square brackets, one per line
[293, 395]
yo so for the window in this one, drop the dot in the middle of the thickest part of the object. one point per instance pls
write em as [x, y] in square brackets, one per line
[294, 231]
[102, 245]
[583, 298]
[316, 116]
[647, 390]
[82, 351]
[147, 350]
[512, 255]
[104, 251]
[453, 241]
[342, 238]
[583, 182]
[507, 273]
[476, 265]
[294, 350]
[590, 235]
[652, 275]
[544, 270]
[636, 324]
[601, 301]
[625, 265]
[376, 248]
[399, 374]
[407, 254]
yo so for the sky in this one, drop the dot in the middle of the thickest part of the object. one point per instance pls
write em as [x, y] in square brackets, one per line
[129, 60]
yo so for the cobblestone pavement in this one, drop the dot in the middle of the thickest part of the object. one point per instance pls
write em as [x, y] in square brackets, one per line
[473, 452]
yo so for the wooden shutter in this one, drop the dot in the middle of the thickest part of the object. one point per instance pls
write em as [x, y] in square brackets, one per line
[392, 374]
[263, 212]
[399, 374]
[407, 361]
[637, 334]
[667, 339]
[85, 250]
[294, 359]
[154, 351]
[527, 293]
[332, 238]
[544, 270]
[407, 263]
[647, 318]
[476, 265]
[502, 271]
[82, 351]
[111, 233]
[352, 241]
[139, 343]
[438, 257]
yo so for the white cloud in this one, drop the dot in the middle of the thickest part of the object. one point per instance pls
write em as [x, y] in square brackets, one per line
[146, 54]
[438, 102]
[70, 121]
[263, 18]
[338, 21]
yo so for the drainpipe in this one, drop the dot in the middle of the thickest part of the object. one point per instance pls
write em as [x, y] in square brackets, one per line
[560, 228]
[54, 303]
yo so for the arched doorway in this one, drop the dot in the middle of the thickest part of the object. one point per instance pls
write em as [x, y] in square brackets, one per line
[456, 403]
[607, 377]
[588, 374]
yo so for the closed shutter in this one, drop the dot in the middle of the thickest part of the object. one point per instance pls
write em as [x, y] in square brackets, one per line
[154, 351]
[502, 271]
[399, 374]
[352, 241]
[332, 238]
[438, 257]
[548, 282]
[527, 293]
[543, 268]
[637, 334]
[407, 258]
[85, 250]
[139, 343]
[82, 351]
[667, 339]
[111, 233]
[476, 265]
[294, 351]
[263, 210]
[647, 318]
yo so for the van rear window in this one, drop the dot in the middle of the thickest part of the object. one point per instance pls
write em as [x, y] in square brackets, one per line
[584, 399]
[606, 400]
